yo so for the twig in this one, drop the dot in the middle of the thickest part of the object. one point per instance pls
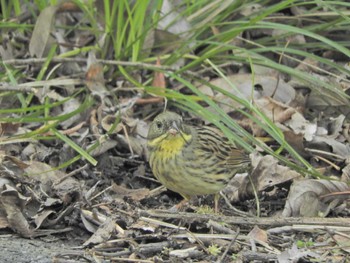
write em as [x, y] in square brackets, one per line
[234, 209]
[220, 227]
[248, 221]
[102, 61]
[6, 87]
[157, 191]
[60, 180]
[325, 153]
[68, 131]
[307, 228]
[228, 247]
[114, 259]
[84, 60]
[336, 167]
[249, 256]
[161, 223]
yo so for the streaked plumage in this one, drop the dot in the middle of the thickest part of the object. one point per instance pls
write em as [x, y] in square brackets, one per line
[192, 160]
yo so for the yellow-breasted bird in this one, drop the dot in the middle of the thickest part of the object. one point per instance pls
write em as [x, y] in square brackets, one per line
[192, 160]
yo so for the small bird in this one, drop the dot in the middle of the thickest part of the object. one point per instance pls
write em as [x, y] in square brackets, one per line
[192, 160]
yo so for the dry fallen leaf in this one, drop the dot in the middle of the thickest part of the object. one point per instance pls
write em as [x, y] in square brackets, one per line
[266, 173]
[102, 234]
[299, 124]
[12, 202]
[159, 78]
[144, 226]
[305, 197]
[276, 111]
[258, 234]
[263, 86]
[134, 194]
[95, 80]
[345, 177]
[133, 136]
[294, 254]
[42, 40]
[8, 128]
[343, 242]
[174, 22]
[107, 225]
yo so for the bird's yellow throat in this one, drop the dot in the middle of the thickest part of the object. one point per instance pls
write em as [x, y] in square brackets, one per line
[169, 145]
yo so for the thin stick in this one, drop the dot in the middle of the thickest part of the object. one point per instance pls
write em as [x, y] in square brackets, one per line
[229, 246]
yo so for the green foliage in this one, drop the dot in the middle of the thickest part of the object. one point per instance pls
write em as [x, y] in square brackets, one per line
[205, 209]
[214, 250]
[215, 32]
[304, 244]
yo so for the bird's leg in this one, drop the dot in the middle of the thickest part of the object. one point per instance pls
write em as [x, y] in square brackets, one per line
[216, 203]
[180, 206]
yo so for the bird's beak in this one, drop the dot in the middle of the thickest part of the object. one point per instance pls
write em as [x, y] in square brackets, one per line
[174, 129]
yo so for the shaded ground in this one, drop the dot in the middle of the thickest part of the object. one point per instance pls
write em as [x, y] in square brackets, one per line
[21, 250]
[117, 211]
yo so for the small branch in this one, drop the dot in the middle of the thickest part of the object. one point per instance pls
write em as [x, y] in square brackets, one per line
[84, 60]
[268, 221]
[102, 61]
[228, 247]
[249, 256]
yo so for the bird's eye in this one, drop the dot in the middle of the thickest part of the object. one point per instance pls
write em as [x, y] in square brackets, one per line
[159, 125]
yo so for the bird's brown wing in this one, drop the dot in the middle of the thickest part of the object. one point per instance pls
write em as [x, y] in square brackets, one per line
[216, 146]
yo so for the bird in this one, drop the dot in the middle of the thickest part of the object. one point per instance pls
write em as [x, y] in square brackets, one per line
[192, 160]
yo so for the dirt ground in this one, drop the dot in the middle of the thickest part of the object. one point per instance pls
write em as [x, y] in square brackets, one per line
[21, 250]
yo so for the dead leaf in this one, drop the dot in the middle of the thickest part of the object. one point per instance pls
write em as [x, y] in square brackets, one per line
[133, 136]
[258, 234]
[174, 22]
[41, 40]
[89, 226]
[68, 107]
[134, 194]
[294, 255]
[345, 177]
[9, 128]
[297, 142]
[98, 219]
[53, 182]
[266, 173]
[343, 242]
[159, 78]
[302, 126]
[36, 151]
[12, 202]
[42, 216]
[276, 111]
[103, 233]
[245, 88]
[95, 80]
[305, 197]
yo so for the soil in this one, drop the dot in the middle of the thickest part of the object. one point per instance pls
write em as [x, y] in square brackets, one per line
[22, 250]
